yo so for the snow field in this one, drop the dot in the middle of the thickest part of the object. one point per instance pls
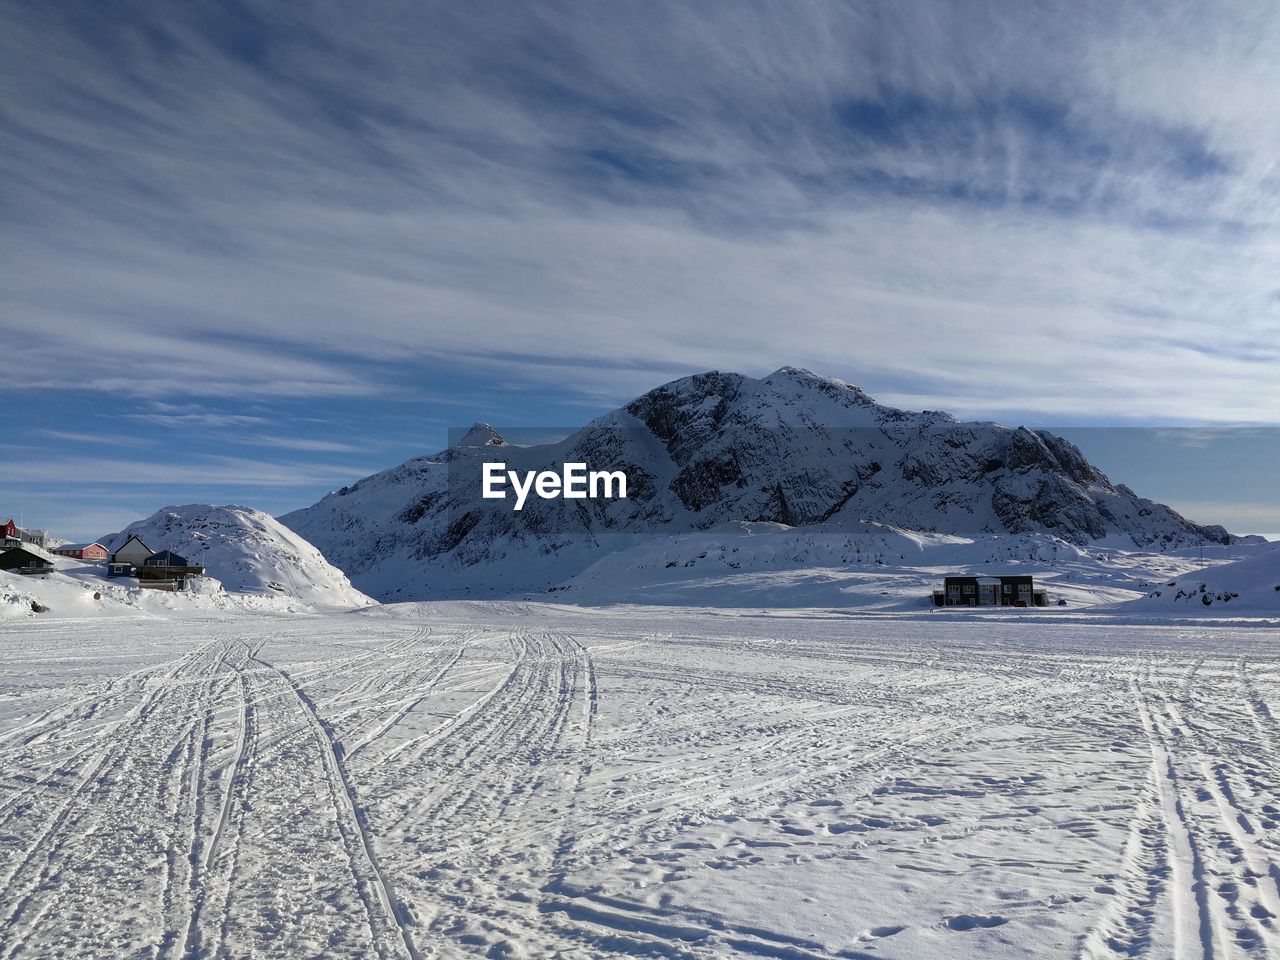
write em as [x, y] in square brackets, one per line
[506, 779]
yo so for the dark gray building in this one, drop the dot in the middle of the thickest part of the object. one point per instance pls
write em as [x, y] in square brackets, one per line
[28, 559]
[1007, 590]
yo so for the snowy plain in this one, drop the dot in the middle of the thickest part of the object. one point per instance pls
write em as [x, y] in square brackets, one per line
[523, 779]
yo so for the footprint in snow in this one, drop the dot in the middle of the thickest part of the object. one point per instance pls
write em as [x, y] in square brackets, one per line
[969, 921]
[879, 933]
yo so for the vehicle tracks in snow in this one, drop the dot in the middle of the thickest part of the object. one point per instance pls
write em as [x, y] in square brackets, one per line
[126, 809]
[563, 783]
[1200, 876]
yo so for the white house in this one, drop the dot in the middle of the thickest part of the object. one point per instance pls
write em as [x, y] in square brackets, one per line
[132, 551]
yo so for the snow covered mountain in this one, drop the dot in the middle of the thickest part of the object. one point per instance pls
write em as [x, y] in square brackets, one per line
[247, 550]
[793, 448]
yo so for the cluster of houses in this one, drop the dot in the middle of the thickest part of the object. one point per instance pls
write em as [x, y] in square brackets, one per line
[12, 535]
[133, 558]
[162, 570]
[23, 551]
[1011, 590]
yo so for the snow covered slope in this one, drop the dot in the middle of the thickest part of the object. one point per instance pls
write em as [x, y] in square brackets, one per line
[1248, 587]
[879, 569]
[793, 448]
[247, 550]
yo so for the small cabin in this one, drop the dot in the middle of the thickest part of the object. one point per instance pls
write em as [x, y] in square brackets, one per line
[132, 551]
[82, 551]
[1010, 590]
[167, 567]
[120, 569]
[27, 559]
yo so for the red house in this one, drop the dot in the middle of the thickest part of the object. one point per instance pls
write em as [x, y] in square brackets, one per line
[82, 551]
[9, 530]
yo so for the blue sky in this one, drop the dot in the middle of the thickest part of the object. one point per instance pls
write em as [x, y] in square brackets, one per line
[250, 252]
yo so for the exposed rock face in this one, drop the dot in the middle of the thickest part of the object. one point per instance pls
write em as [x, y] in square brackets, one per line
[793, 448]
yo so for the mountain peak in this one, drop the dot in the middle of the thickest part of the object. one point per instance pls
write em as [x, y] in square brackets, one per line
[794, 373]
[803, 376]
[481, 435]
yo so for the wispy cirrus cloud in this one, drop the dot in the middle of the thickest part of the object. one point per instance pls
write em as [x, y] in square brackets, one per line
[187, 420]
[302, 444]
[1064, 211]
[198, 471]
[106, 439]
[260, 205]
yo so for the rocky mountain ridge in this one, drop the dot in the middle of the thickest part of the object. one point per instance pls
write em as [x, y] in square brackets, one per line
[793, 448]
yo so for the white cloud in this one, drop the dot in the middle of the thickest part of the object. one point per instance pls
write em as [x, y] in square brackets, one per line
[190, 471]
[302, 444]
[106, 439]
[187, 420]
[427, 184]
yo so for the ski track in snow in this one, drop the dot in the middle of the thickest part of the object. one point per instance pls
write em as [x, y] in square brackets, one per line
[506, 780]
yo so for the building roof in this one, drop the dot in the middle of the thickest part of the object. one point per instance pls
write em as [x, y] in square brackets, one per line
[987, 578]
[166, 558]
[78, 546]
[31, 550]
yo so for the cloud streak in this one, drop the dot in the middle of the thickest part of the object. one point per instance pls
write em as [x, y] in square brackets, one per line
[200, 471]
[1061, 211]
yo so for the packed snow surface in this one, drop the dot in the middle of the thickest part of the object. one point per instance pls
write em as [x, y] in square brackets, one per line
[505, 780]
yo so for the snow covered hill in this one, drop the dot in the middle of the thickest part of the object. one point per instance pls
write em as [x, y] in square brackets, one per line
[793, 448]
[247, 550]
[1248, 587]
